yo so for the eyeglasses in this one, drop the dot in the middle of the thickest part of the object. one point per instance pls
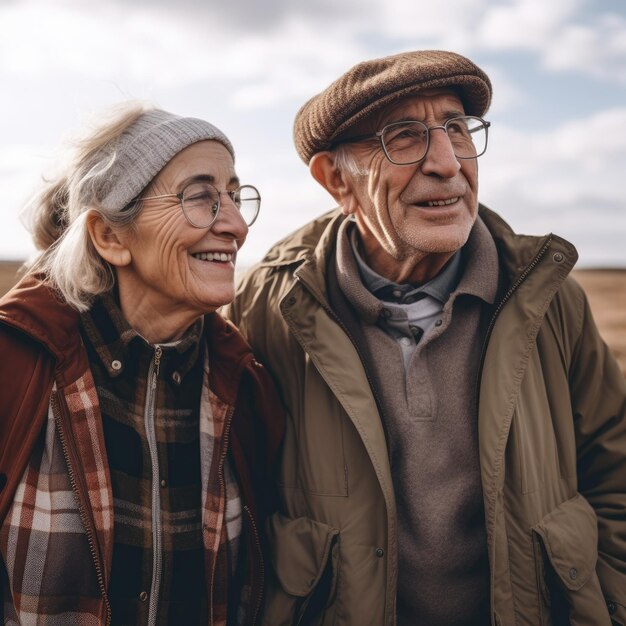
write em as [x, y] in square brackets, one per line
[201, 203]
[407, 142]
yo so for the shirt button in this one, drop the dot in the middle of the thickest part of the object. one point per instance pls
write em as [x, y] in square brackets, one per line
[143, 596]
[116, 365]
[417, 332]
[396, 293]
[405, 341]
[176, 378]
[163, 482]
[573, 573]
[410, 299]
[380, 552]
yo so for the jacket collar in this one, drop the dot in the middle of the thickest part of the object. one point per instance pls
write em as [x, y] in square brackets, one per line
[229, 356]
[311, 246]
[518, 252]
[34, 309]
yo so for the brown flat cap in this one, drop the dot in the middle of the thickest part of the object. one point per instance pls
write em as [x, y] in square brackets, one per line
[371, 85]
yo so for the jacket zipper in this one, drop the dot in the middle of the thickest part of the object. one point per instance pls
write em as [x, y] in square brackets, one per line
[59, 418]
[507, 296]
[222, 484]
[257, 608]
[149, 421]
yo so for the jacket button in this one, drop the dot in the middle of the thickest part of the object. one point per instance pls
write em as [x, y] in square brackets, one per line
[176, 377]
[558, 257]
[143, 596]
[573, 573]
[380, 552]
[612, 607]
[116, 365]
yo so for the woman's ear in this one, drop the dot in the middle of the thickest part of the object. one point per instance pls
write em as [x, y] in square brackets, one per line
[325, 171]
[107, 241]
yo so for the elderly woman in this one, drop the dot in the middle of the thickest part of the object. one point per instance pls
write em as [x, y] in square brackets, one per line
[137, 431]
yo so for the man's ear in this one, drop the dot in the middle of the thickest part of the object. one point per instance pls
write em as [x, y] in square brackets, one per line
[323, 168]
[106, 241]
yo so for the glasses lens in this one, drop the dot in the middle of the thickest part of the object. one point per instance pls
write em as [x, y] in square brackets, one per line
[405, 142]
[201, 203]
[248, 200]
[468, 136]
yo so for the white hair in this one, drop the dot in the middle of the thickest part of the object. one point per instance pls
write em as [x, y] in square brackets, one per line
[58, 213]
[346, 161]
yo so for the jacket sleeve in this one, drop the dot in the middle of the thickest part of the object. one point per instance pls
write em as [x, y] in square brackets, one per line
[26, 376]
[598, 393]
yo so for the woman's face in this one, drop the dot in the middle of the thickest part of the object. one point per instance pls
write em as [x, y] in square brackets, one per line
[178, 271]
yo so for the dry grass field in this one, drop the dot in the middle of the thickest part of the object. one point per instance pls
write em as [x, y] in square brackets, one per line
[606, 290]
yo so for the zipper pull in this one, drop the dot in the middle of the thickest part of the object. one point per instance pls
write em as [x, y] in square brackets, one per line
[157, 362]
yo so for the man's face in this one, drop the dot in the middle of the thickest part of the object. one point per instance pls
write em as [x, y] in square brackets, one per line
[412, 218]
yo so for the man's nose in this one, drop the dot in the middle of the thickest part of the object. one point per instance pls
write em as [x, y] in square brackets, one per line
[440, 159]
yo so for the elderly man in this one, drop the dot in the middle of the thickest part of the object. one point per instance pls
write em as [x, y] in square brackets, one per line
[456, 446]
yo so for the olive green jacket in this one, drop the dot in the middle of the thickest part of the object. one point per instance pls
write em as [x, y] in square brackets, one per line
[552, 440]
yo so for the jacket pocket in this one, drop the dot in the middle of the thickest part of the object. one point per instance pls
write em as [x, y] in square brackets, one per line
[568, 580]
[303, 576]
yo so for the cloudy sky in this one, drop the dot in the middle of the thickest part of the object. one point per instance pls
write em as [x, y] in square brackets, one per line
[557, 155]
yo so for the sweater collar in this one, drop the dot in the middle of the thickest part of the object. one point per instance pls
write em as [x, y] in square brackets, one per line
[476, 263]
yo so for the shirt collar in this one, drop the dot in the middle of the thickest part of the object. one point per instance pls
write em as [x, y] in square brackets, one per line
[115, 341]
[480, 260]
[440, 287]
[473, 270]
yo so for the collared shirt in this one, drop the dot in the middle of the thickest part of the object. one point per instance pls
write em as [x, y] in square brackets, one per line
[154, 460]
[408, 313]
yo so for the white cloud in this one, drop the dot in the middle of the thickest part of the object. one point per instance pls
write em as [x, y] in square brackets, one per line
[21, 168]
[568, 180]
[598, 49]
[251, 65]
[524, 24]
[428, 23]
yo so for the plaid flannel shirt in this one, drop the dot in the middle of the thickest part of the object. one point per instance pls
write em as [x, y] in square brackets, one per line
[52, 536]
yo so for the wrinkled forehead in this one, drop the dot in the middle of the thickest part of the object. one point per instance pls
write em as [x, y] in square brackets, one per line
[445, 102]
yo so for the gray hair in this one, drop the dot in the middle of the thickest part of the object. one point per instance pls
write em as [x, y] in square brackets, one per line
[347, 162]
[107, 170]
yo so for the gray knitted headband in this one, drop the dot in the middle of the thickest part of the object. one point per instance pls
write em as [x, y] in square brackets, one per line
[146, 147]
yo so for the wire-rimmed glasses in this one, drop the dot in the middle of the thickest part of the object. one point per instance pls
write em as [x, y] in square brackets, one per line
[407, 142]
[201, 202]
